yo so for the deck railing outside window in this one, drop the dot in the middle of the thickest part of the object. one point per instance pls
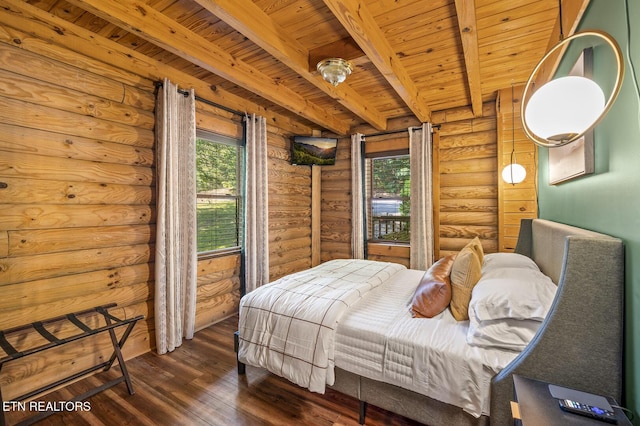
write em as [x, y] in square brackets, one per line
[390, 228]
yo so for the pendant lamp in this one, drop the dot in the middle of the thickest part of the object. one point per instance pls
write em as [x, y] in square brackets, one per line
[513, 173]
[564, 109]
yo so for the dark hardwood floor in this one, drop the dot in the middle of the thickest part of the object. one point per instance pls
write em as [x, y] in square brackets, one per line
[198, 384]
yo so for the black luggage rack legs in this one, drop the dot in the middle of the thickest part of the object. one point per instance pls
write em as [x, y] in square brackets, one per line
[40, 326]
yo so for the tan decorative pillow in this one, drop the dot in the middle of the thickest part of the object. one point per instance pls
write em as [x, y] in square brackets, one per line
[476, 246]
[433, 293]
[465, 273]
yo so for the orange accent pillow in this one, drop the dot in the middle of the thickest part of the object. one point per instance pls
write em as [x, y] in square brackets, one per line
[465, 273]
[433, 293]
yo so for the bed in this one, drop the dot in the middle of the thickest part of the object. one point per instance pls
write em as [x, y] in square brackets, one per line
[578, 343]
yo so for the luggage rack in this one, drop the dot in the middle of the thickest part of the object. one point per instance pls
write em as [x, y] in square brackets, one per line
[112, 323]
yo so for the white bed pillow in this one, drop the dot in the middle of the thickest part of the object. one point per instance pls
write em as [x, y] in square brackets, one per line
[497, 261]
[510, 334]
[515, 293]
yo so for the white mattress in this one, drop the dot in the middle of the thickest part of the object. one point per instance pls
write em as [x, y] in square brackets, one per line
[379, 339]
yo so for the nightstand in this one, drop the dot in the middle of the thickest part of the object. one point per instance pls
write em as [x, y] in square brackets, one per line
[535, 406]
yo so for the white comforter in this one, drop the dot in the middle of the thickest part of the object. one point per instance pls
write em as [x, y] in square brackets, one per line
[288, 326]
[380, 340]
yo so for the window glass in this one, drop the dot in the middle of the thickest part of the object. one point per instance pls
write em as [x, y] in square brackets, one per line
[219, 177]
[388, 202]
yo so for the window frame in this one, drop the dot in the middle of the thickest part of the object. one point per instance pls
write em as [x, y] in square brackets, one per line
[368, 183]
[216, 138]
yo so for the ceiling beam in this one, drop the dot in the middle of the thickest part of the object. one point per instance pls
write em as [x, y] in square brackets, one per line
[356, 18]
[346, 48]
[153, 26]
[572, 11]
[35, 21]
[249, 20]
[466, 11]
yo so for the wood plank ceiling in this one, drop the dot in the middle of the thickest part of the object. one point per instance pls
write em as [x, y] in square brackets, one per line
[411, 57]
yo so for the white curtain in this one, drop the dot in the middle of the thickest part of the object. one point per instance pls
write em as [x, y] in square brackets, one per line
[257, 203]
[176, 243]
[357, 203]
[421, 222]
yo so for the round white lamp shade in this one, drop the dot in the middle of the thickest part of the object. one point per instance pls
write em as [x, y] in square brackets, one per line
[514, 173]
[564, 107]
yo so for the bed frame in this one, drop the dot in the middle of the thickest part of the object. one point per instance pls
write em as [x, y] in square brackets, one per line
[578, 345]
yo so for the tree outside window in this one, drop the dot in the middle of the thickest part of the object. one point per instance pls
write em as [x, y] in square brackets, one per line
[219, 177]
[388, 198]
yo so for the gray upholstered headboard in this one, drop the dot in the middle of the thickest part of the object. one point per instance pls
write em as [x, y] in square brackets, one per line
[545, 242]
[579, 344]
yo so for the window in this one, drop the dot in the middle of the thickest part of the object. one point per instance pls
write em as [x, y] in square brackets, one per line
[388, 202]
[219, 177]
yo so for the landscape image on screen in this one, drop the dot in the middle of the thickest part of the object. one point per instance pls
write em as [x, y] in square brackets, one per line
[310, 150]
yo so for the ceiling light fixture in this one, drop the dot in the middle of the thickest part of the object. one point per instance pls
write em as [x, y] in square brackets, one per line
[334, 70]
[514, 172]
[564, 109]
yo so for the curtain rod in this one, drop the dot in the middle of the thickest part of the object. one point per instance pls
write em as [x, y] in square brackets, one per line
[233, 111]
[391, 132]
[206, 101]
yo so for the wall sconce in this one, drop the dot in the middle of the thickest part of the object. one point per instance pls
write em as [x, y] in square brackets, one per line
[564, 109]
[334, 70]
[514, 172]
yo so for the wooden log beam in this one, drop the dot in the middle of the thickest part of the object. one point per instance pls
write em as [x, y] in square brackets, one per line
[20, 113]
[23, 140]
[28, 166]
[49, 265]
[249, 20]
[30, 191]
[28, 242]
[572, 11]
[346, 48]
[51, 31]
[466, 11]
[359, 22]
[44, 216]
[153, 26]
[56, 289]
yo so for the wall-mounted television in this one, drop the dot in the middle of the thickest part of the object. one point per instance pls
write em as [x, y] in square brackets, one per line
[308, 150]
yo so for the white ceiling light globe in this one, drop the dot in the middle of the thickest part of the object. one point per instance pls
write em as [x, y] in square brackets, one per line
[564, 107]
[514, 173]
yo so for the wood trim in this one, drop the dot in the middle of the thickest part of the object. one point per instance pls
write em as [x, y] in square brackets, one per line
[249, 19]
[466, 10]
[345, 48]
[95, 52]
[316, 196]
[501, 183]
[435, 158]
[159, 29]
[515, 202]
[572, 11]
[388, 250]
[356, 18]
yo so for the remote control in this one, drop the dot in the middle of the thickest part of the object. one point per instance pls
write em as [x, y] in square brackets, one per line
[587, 410]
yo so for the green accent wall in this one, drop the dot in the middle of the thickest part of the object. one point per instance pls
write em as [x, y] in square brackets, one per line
[608, 201]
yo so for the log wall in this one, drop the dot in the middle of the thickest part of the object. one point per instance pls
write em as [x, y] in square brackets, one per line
[289, 210]
[336, 203]
[518, 201]
[77, 202]
[465, 188]
[77, 190]
[335, 214]
[467, 171]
